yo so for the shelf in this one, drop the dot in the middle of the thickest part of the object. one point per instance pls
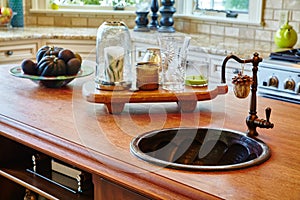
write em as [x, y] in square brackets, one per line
[41, 186]
[16, 159]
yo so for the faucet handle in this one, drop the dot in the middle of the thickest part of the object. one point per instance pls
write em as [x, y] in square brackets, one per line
[268, 113]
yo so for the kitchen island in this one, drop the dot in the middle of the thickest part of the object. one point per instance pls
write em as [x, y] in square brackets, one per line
[62, 124]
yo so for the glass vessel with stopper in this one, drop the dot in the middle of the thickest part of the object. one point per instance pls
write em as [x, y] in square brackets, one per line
[113, 47]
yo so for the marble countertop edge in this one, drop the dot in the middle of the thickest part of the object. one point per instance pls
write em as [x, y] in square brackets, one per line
[202, 43]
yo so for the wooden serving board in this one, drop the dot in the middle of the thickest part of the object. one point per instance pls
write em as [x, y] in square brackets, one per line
[116, 100]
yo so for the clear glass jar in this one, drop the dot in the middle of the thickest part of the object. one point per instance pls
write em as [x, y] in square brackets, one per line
[113, 56]
[147, 75]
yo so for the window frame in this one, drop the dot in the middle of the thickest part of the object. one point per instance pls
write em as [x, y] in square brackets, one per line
[43, 6]
[212, 4]
[184, 10]
[254, 17]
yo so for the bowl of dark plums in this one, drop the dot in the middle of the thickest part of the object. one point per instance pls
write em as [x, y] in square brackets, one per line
[54, 67]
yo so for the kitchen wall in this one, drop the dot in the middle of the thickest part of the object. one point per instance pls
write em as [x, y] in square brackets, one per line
[271, 17]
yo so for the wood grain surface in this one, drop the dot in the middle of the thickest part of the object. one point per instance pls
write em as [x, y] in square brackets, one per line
[61, 123]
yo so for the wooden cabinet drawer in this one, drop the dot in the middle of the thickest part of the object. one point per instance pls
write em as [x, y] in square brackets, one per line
[86, 48]
[105, 189]
[16, 51]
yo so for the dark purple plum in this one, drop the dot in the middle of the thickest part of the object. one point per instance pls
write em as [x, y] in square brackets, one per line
[29, 67]
[73, 66]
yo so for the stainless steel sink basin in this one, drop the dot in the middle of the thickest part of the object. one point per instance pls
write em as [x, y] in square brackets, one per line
[199, 149]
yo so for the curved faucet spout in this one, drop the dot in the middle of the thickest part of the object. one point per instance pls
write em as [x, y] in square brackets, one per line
[252, 120]
[255, 61]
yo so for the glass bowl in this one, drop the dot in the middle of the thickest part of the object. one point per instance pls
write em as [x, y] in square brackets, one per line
[5, 21]
[51, 82]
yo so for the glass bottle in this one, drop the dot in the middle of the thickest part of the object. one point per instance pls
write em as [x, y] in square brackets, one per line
[113, 56]
[17, 7]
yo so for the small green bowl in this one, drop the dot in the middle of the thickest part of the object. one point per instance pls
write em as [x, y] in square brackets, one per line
[196, 81]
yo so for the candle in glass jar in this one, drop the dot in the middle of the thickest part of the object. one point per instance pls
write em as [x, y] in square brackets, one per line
[114, 62]
[147, 75]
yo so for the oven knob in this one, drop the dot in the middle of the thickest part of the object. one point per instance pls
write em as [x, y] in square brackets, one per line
[273, 81]
[289, 84]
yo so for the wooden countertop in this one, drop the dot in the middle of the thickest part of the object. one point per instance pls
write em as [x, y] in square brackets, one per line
[61, 123]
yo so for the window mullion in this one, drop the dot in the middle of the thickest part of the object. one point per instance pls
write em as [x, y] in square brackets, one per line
[184, 7]
[212, 4]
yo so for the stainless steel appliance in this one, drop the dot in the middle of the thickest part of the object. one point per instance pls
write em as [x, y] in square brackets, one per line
[279, 76]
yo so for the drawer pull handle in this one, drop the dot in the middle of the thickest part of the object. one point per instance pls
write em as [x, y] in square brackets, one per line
[9, 53]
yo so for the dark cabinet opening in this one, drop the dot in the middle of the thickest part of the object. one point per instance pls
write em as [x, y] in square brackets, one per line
[23, 170]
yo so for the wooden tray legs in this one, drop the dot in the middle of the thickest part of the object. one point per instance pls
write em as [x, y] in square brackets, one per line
[187, 106]
[115, 108]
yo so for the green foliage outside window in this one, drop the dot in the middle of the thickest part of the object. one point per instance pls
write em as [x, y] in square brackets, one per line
[95, 2]
[123, 2]
[114, 2]
[236, 4]
[92, 2]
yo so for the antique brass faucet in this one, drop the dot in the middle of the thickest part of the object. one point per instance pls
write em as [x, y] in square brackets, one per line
[252, 120]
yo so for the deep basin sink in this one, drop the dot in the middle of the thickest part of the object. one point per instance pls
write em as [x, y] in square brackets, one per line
[199, 149]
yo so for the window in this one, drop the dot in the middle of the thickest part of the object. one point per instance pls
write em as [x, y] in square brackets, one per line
[82, 5]
[188, 9]
[231, 8]
[96, 2]
[223, 5]
[232, 11]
